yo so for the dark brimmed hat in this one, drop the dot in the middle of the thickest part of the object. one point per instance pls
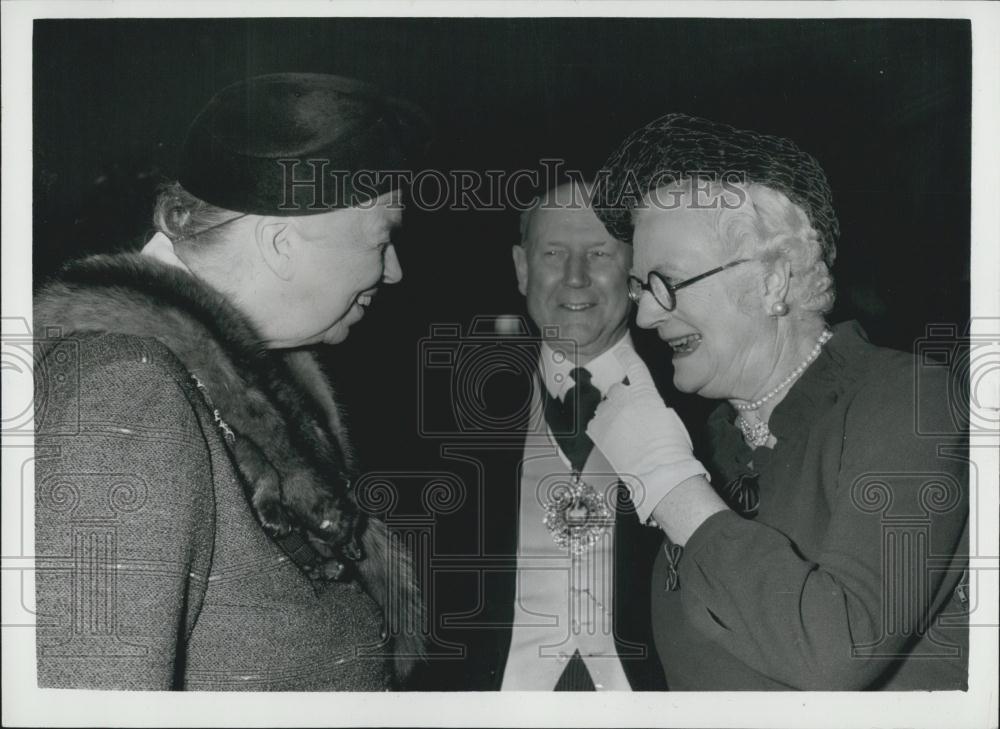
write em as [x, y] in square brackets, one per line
[301, 144]
[676, 146]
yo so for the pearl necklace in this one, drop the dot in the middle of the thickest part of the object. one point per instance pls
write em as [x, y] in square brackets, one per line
[756, 433]
[823, 339]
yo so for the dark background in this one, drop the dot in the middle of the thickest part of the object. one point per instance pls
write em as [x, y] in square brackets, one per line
[883, 105]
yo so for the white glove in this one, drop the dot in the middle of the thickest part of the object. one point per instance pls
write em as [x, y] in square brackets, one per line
[643, 439]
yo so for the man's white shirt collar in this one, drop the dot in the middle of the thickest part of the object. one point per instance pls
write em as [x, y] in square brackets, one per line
[605, 369]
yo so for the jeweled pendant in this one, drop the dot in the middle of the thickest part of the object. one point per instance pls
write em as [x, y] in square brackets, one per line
[576, 515]
[755, 434]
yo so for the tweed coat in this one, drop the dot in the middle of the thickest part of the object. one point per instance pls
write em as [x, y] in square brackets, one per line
[173, 452]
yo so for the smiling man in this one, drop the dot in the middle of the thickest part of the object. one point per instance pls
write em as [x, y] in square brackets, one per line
[573, 273]
[580, 613]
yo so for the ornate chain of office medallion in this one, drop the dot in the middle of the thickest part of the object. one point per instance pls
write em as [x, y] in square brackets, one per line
[576, 515]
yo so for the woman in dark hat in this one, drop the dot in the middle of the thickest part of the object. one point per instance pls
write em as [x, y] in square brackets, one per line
[196, 527]
[828, 551]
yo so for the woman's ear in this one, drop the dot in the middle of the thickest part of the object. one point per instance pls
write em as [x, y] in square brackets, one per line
[277, 244]
[777, 283]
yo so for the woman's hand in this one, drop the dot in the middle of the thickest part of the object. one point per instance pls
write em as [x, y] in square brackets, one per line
[644, 440]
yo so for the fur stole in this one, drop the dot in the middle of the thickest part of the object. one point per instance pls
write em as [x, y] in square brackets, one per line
[288, 440]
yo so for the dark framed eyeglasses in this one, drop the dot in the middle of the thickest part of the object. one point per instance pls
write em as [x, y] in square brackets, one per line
[665, 292]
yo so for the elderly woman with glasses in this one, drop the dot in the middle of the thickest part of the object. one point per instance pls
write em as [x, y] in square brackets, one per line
[824, 546]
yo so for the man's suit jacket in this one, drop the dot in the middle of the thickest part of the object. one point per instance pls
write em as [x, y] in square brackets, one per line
[483, 630]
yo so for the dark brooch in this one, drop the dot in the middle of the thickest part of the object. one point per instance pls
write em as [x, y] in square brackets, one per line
[673, 553]
[743, 494]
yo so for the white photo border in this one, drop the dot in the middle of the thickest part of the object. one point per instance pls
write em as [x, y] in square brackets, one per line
[26, 705]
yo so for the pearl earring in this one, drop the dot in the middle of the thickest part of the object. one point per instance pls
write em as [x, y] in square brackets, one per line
[779, 308]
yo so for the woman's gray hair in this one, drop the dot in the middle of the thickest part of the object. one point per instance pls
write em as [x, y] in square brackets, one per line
[179, 215]
[769, 227]
[678, 146]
